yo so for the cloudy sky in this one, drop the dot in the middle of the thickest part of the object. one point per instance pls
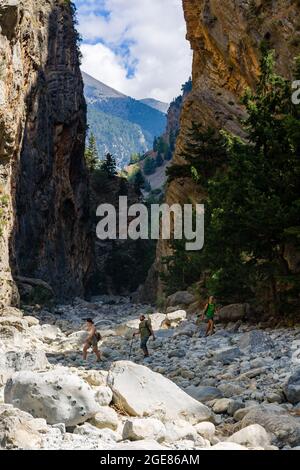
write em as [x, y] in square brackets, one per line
[135, 46]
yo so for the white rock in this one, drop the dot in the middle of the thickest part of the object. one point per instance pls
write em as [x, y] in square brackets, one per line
[206, 430]
[176, 317]
[57, 396]
[180, 430]
[251, 436]
[105, 418]
[228, 446]
[106, 435]
[140, 445]
[103, 395]
[32, 321]
[149, 428]
[144, 393]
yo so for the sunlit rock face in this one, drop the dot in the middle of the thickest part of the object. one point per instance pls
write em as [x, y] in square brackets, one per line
[43, 180]
[225, 38]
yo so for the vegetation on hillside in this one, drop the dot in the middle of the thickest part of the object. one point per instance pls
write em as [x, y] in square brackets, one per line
[253, 201]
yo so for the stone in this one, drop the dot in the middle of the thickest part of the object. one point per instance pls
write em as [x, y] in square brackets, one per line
[228, 446]
[19, 430]
[176, 317]
[255, 341]
[139, 445]
[103, 395]
[180, 298]
[230, 389]
[203, 394]
[15, 361]
[57, 396]
[251, 436]
[106, 435]
[31, 321]
[285, 429]
[150, 429]
[221, 405]
[141, 392]
[206, 430]
[180, 430]
[234, 406]
[105, 418]
[233, 312]
[227, 355]
[292, 387]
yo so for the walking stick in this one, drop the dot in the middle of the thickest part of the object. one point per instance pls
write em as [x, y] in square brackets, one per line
[130, 351]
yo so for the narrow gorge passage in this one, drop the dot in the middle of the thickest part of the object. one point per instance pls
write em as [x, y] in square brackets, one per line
[185, 104]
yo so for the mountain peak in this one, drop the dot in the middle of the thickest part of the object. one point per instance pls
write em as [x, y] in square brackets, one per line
[99, 89]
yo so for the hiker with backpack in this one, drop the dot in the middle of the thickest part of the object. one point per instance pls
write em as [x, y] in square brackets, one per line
[145, 331]
[92, 340]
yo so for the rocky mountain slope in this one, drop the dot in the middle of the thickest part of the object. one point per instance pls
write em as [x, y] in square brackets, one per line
[225, 38]
[43, 181]
[122, 125]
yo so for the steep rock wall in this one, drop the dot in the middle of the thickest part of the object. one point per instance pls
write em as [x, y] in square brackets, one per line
[225, 38]
[43, 178]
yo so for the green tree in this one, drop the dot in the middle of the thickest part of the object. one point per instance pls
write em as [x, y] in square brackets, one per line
[109, 166]
[159, 160]
[149, 166]
[91, 154]
[139, 182]
[254, 205]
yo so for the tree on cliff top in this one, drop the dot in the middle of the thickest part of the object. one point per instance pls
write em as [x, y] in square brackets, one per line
[91, 154]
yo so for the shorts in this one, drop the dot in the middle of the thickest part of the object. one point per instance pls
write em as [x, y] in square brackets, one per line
[93, 343]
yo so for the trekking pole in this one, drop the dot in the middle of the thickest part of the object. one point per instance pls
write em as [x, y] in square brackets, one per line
[130, 350]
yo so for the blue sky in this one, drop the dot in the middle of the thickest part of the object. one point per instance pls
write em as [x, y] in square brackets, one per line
[135, 46]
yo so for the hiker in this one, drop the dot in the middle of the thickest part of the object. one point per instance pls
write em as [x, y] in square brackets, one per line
[145, 331]
[209, 311]
[92, 340]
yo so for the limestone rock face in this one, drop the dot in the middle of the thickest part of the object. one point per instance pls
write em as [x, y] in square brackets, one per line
[57, 396]
[43, 181]
[225, 38]
[141, 392]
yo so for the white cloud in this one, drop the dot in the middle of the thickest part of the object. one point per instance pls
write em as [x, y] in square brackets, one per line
[155, 31]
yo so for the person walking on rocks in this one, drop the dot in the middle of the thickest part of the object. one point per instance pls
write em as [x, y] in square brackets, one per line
[92, 340]
[145, 331]
[209, 312]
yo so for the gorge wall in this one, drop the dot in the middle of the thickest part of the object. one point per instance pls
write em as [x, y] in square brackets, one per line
[44, 215]
[225, 38]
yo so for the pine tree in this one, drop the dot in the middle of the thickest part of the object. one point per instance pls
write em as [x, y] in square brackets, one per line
[254, 205]
[149, 166]
[139, 182]
[159, 160]
[109, 166]
[91, 154]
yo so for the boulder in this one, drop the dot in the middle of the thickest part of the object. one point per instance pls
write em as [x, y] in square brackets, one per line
[139, 445]
[228, 446]
[203, 394]
[255, 341]
[180, 298]
[105, 418]
[292, 387]
[107, 436]
[103, 395]
[57, 396]
[181, 430]
[176, 317]
[137, 429]
[206, 430]
[15, 361]
[8, 311]
[284, 428]
[230, 389]
[234, 312]
[141, 392]
[19, 430]
[251, 436]
[221, 406]
[227, 355]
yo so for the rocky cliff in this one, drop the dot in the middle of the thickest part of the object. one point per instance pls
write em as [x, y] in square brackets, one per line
[43, 182]
[225, 38]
